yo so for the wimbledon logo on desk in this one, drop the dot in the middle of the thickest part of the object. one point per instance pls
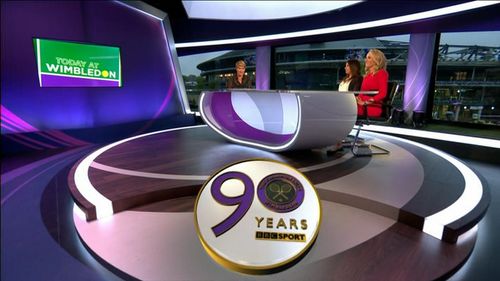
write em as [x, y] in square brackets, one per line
[257, 216]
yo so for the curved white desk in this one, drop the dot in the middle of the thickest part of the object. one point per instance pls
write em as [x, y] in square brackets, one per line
[280, 120]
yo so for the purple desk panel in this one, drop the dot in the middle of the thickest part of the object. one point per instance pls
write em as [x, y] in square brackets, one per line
[280, 120]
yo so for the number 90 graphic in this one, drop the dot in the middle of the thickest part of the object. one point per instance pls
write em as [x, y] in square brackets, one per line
[243, 201]
[257, 216]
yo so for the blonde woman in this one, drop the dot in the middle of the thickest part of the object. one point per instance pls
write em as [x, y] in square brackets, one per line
[240, 79]
[376, 79]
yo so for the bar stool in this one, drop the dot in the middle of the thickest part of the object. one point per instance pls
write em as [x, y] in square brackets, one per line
[359, 148]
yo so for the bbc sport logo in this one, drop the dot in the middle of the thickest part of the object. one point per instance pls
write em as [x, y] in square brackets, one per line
[257, 216]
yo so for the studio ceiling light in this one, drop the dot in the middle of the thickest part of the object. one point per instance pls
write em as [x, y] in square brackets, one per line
[350, 27]
[259, 10]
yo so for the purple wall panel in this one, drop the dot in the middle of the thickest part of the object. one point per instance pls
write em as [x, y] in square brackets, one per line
[418, 72]
[147, 72]
[21, 93]
[221, 108]
[263, 67]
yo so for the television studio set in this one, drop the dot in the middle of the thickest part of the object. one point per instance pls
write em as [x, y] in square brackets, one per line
[250, 140]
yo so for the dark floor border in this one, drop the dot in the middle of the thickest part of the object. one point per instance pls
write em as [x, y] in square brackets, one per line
[459, 150]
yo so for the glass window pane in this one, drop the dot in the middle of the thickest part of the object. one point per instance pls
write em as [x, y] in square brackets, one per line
[209, 71]
[320, 66]
[468, 78]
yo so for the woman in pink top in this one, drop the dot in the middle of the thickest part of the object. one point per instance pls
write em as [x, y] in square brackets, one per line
[375, 79]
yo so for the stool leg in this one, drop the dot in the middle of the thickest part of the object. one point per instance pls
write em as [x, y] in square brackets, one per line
[355, 147]
[356, 137]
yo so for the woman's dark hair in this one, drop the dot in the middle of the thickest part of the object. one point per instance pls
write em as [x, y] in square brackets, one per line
[355, 67]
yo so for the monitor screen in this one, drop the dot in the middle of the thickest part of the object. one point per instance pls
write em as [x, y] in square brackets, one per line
[69, 64]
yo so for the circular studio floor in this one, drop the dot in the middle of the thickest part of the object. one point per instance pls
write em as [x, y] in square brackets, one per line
[377, 211]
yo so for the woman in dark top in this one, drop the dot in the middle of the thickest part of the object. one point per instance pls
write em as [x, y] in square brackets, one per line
[240, 80]
[353, 79]
[351, 82]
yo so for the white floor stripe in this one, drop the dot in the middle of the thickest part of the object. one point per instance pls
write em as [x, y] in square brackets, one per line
[146, 174]
[468, 200]
[103, 205]
[120, 171]
[434, 135]
[337, 161]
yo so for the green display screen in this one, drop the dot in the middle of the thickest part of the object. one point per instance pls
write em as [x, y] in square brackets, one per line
[68, 64]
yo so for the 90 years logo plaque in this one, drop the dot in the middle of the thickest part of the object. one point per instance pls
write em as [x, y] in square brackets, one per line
[257, 216]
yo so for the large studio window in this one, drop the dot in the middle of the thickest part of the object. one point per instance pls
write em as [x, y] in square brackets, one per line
[320, 66]
[209, 71]
[467, 85]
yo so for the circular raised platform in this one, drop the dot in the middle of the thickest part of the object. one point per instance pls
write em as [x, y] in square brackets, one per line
[136, 200]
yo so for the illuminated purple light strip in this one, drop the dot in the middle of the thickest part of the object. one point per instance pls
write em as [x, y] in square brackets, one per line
[62, 136]
[263, 68]
[18, 187]
[33, 141]
[8, 176]
[175, 71]
[8, 115]
[173, 75]
[162, 106]
[47, 136]
[9, 128]
[165, 101]
[171, 52]
[418, 72]
[16, 139]
[13, 123]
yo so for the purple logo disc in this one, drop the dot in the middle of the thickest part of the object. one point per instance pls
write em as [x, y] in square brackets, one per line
[280, 193]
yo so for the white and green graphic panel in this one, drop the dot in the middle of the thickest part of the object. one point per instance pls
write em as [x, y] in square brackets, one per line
[67, 64]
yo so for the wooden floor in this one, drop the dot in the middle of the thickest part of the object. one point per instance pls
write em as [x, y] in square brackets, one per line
[401, 189]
